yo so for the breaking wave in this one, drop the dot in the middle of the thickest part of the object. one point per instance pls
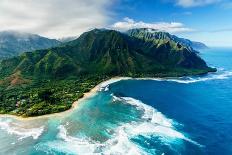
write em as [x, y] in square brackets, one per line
[212, 76]
[152, 124]
[220, 75]
[105, 85]
[20, 131]
[120, 144]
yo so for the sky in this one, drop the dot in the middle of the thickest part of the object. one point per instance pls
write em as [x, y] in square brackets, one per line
[208, 21]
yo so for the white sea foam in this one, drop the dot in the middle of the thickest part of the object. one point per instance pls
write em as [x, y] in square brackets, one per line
[221, 75]
[105, 85]
[212, 76]
[120, 144]
[104, 88]
[152, 123]
[20, 131]
[150, 114]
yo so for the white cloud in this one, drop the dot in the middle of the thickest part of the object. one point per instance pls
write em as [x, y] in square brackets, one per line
[194, 3]
[172, 27]
[54, 18]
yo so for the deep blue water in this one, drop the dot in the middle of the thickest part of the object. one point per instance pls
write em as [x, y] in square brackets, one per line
[204, 108]
[189, 116]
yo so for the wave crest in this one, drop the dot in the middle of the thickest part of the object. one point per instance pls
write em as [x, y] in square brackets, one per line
[212, 76]
[220, 75]
[120, 144]
[152, 124]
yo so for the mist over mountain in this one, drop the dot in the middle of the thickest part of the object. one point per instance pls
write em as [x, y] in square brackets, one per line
[13, 43]
[67, 39]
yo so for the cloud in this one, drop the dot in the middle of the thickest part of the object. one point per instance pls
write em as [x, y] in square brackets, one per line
[172, 27]
[194, 3]
[54, 18]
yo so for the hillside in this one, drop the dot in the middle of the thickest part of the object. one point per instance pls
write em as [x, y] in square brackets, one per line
[159, 37]
[48, 81]
[13, 43]
[108, 52]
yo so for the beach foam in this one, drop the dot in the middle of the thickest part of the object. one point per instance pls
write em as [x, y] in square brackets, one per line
[212, 76]
[221, 75]
[104, 86]
[152, 124]
[120, 144]
[68, 144]
[20, 131]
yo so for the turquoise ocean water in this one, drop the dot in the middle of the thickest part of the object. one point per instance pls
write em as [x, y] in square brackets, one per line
[189, 116]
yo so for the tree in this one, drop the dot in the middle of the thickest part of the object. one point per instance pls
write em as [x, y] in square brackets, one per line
[45, 95]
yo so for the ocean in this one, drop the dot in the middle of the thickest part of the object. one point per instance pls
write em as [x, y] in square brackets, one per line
[172, 116]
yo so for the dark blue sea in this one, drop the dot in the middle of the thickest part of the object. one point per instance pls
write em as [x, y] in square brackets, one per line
[172, 116]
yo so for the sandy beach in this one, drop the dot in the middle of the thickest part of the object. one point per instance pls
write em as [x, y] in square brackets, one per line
[101, 86]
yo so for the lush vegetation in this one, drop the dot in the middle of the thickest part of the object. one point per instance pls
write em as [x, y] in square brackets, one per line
[45, 96]
[49, 81]
[159, 37]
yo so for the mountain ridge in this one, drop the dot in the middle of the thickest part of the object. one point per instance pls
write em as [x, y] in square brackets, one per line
[13, 43]
[50, 80]
[112, 50]
[153, 34]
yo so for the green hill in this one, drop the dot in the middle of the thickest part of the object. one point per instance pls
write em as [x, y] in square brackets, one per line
[48, 81]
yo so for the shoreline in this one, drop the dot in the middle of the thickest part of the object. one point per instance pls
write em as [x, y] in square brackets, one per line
[99, 87]
[75, 104]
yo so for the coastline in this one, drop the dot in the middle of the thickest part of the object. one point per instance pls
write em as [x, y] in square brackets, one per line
[99, 87]
[75, 104]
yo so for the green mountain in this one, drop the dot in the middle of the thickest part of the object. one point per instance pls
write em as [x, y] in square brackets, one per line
[159, 37]
[111, 53]
[13, 43]
[50, 80]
